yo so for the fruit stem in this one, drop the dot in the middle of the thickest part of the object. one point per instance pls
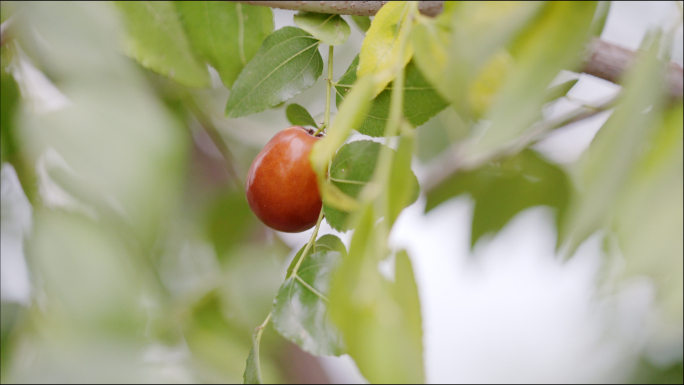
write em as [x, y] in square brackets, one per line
[328, 87]
[308, 245]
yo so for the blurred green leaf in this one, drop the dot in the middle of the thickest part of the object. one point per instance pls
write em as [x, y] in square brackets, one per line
[609, 161]
[649, 217]
[224, 33]
[363, 22]
[438, 133]
[286, 64]
[453, 49]
[648, 373]
[327, 242]
[503, 189]
[299, 116]
[560, 90]
[600, 17]
[228, 221]
[351, 169]
[9, 102]
[330, 29]
[421, 102]
[553, 42]
[380, 320]
[300, 308]
[156, 39]
[403, 187]
[350, 114]
[380, 50]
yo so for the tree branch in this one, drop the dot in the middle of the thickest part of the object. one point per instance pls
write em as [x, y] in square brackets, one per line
[356, 8]
[603, 60]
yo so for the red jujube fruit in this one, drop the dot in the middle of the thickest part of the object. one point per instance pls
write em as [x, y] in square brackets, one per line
[281, 185]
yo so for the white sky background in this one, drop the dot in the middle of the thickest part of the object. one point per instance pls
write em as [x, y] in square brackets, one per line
[511, 312]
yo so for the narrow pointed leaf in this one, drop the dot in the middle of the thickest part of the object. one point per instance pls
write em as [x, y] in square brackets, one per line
[380, 50]
[252, 373]
[286, 64]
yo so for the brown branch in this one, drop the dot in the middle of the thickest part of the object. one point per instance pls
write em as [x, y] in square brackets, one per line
[604, 60]
[609, 61]
[356, 8]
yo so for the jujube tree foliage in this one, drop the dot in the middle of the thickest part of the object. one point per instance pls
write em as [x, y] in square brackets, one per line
[483, 70]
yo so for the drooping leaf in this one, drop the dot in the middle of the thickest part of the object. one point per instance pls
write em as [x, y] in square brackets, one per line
[380, 50]
[503, 189]
[363, 22]
[224, 33]
[421, 102]
[554, 42]
[649, 215]
[300, 311]
[403, 187]
[380, 320]
[299, 116]
[351, 114]
[286, 64]
[156, 39]
[608, 162]
[330, 29]
[253, 368]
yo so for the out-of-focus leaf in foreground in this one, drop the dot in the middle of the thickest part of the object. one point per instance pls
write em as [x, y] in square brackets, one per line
[379, 319]
[610, 160]
[224, 33]
[380, 50]
[503, 189]
[286, 64]
[156, 39]
[421, 102]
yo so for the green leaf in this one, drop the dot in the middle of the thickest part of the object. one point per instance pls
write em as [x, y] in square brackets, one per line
[421, 101]
[353, 167]
[363, 22]
[327, 242]
[330, 29]
[226, 34]
[503, 189]
[559, 90]
[156, 39]
[600, 17]
[453, 49]
[9, 103]
[228, 221]
[380, 320]
[351, 114]
[286, 64]
[253, 368]
[380, 50]
[552, 43]
[299, 116]
[350, 170]
[300, 308]
[403, 187]
[608, 162]
[649, 214]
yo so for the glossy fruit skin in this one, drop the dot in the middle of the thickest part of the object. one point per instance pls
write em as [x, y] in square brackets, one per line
[282, 190]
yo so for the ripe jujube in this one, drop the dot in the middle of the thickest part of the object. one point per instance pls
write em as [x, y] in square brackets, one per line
[282, 190]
